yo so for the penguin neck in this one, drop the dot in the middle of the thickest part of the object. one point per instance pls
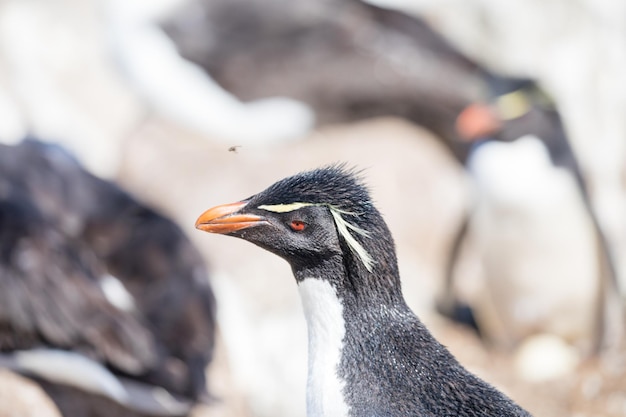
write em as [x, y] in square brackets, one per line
[358, 288]
[334, 294]
[326, 324]
[324, 313]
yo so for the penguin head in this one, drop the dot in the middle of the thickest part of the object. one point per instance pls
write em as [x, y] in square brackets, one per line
[509, 99]
[308, 218]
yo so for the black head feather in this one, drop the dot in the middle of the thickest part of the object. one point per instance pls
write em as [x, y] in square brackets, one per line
[333, 185]
[342, 191]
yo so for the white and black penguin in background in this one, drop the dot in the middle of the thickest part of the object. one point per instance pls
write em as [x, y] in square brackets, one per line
[102, 299]
[369, 354]
[544, 258]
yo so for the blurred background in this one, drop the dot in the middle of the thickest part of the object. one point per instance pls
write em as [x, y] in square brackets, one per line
[493, 139]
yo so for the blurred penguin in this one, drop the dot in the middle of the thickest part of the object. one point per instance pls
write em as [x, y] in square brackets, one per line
[346, 59]
[545, 261]
[105, 301]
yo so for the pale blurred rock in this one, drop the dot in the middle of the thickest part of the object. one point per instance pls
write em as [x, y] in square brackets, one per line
[545, 357]
[21, 397]
[58, 74]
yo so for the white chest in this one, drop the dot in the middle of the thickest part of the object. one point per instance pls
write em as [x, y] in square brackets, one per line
[324, 315]
[537, 244]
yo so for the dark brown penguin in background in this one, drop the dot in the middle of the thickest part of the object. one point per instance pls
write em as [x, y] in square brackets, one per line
[347, 59]
[91, 279]
[369, 355]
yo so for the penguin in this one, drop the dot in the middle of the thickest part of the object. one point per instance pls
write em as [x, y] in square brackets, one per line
[545, 259]
[369, 354]
[103, 300]
[347, 60]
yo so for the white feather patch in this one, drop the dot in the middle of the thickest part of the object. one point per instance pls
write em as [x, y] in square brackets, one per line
[72, 369]
[116, 293]
[324, 316]
[344, 230]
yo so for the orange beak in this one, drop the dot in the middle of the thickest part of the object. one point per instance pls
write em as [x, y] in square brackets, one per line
[224, 219]
[477, 121]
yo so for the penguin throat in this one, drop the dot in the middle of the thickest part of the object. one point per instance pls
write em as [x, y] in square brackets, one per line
[357, 288]
[323, 311]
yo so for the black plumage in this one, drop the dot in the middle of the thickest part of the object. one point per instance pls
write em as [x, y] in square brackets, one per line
[166, 275]
[63, 232]
[58, 304]
[389, 362]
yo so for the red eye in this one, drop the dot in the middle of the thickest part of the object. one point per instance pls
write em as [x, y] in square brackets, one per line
[297, 225]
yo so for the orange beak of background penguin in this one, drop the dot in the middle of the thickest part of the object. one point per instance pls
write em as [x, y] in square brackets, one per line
[477, 121]
[225, 219]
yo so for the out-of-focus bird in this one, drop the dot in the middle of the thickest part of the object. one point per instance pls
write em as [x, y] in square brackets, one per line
[368, 352]
[99, 292]
[348, 60]
[545, 259]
